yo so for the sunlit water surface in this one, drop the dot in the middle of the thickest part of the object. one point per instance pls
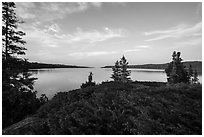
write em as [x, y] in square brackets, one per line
[51, 81]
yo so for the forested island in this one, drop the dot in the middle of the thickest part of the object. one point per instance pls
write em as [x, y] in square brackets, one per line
[36, 65]
[195, 65]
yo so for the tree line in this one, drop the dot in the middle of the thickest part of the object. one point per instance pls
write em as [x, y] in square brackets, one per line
[176, 72]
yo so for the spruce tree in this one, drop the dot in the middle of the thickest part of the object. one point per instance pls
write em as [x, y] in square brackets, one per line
[11, 37]
[176, 71]
[125, 74]
[116, 76]
[18, 97]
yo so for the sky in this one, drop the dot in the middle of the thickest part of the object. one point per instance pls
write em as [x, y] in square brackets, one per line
[97, 34]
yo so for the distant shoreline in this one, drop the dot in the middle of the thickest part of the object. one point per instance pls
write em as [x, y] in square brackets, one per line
[36, 65]
[196, 65]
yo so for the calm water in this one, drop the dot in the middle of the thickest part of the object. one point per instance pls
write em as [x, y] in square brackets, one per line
[51, 81]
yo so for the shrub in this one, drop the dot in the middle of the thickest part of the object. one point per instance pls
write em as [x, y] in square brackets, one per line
[113, 108]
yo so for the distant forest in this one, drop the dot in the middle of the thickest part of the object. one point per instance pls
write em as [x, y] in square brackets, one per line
[196, 65]
[36, 65]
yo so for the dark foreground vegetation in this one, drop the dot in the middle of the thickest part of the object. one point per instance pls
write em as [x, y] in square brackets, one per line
[18, 95]
[119, 108]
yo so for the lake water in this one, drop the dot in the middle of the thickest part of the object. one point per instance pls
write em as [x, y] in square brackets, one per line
[51, 81]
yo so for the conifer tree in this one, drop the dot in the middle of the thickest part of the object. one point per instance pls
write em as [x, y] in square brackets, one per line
[11, 37]
[18, 97]
[125, 74]
[89, 82]
[176, 71]
[120, 72]
[116, 76]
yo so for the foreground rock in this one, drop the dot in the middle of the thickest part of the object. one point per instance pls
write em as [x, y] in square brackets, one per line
[28, 126]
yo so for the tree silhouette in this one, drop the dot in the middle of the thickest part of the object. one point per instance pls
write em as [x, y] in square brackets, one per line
[89, 83]
[176, 71]
[10, 35]
[18, 97]
[124, 72]
[120, 72]
[90, 77]
[116, 76]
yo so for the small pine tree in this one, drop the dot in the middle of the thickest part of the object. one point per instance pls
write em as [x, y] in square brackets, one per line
[176, 71]
[120, 72]
[90, 77]
[89, 83]
[125, 74]
[116, 72]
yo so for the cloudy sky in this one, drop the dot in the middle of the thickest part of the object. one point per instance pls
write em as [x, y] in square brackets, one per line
[98, 34]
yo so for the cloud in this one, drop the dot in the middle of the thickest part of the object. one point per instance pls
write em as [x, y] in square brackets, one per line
[49, 11]
[171, 30]
[53, 28]
[196, 41]
[160, 37]
[22, 10]
[137, 48]
[50, 43]
[143, 46]
[95, 35]
[89, 54]
[45, 37]
[179, 31]
[53, 36]
[131, 50]
[96, 4]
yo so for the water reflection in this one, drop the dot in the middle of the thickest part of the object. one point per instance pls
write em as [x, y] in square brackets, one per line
[148, 70]
[51, 81]
[36, 71]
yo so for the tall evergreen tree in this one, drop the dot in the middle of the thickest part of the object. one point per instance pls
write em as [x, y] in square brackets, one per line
[176, 71]
[18, 97]
[116, 76]
[11, 37]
